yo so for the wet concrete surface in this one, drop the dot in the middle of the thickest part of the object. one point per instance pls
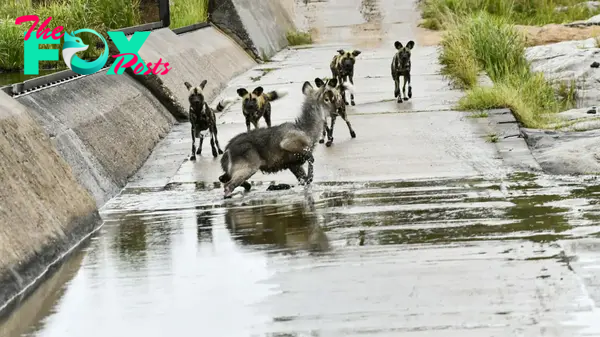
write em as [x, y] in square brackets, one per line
[420, 226]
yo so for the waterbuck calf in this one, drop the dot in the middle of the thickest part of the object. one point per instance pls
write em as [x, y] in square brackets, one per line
[257, 104]
[401, 67]
[202, 118]
[285, 146]
[333, 114]
[342, 69]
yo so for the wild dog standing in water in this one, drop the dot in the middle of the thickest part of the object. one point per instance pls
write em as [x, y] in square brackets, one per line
[401, 67]
[333, 114]
[342, 69]
[257, 104]
[202, 118]
[285, 146]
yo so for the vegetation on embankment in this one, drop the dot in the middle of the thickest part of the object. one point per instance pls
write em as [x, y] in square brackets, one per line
[99, 15]
[530, 12]
[482, 42]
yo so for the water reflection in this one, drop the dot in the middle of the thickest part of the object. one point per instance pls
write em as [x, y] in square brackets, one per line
[286, 226]
[204, 226]
[370, 10]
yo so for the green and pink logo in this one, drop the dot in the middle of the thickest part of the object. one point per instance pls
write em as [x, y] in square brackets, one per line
[128, 49]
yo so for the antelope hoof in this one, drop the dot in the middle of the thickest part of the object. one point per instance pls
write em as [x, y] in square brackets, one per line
[353, 104]
[321, 141]
[399, 100]
[352, 134]
[220, 151]
[406, 98]
[410, 92]
[329, 142]
[193, 158]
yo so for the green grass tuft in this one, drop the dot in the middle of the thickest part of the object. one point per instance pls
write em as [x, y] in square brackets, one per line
[296, 38]
[530, 12]
[486, 43]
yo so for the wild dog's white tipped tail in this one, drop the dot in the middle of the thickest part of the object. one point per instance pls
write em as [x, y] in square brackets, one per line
[349, 86]
[226, 102]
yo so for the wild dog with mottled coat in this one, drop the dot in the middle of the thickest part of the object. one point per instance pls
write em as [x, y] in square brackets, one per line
[202, 118]
[285, 146]
[342, 69]
[257, 104]
[333, 114]
[401, 66]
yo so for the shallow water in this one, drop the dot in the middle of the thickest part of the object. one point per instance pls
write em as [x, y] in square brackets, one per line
[335, 259]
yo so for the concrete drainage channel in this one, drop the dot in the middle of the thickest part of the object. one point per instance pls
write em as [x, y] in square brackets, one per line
[71, 142]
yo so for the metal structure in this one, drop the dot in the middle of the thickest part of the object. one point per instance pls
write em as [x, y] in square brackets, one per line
[64, 76]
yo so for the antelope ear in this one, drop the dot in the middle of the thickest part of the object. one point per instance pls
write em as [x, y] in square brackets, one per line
[355, 53]
[242, 92]
[410, 44]
[258, 91]
[341, 51]
[397, 44]
[307, 88]
[319, 82]
[188, 85]
[332, 83]
[203, 84]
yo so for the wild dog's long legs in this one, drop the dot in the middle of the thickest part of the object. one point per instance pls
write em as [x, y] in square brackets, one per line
[409, 86]
[255, 123]
[214, 135]
[397, 89]
[199, 152]
[330, 131]
[342, 79]
[406, 79]
[345, 118]
[247, 123]
[350, 77]
[238, 178]
[268, 117]
[193, 157]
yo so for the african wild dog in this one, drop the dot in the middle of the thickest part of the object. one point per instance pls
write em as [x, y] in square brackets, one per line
[202, 118]
[285, 146]
[342, 69]
[333, 114]
[401, 67]
[257, 104]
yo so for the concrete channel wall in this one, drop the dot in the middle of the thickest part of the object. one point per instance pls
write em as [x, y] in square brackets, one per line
[68, 148]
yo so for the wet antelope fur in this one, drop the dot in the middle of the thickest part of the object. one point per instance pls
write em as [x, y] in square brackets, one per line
[257, 104]
[286, 146]
[202, 118]
[342, 69]
[401, 67]
[333, 114]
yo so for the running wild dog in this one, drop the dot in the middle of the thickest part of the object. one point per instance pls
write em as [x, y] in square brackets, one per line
[257, 104]
[342, 69]
[401, 67]
[202, 118]
[333, 114]
[285, 146]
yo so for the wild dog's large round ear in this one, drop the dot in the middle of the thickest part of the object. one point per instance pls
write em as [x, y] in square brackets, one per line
[258, 91]
[410, 44]
[397, 45]
[188, 85]
[355, 53]
[307, 88]
[332, 83]
[319, 82]
[341, 51]
[203, 84]
[242, 92]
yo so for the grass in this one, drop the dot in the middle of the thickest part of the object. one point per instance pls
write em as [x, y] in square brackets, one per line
[523, 12]
[188, 12]
[297, 38]
[99, 15]
[482, 42]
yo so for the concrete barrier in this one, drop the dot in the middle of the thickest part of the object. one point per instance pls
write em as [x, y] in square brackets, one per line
[259, 26]
[44, 210]
[103, 126]
[202, 54]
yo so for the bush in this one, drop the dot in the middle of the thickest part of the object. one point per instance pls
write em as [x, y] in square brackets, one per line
[296, 38]
[483, 42]
[525, 12]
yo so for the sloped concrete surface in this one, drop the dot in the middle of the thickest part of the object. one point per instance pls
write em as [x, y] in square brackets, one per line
[44, 211]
